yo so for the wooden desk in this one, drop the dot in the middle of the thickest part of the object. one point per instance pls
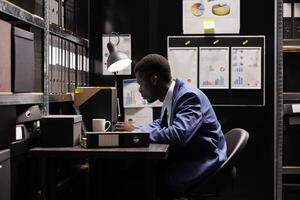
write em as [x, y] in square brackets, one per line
[151, 154]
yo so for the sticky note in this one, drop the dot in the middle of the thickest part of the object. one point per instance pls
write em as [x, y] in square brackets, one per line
[209, 25]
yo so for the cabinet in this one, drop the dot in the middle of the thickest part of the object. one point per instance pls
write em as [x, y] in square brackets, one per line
[287, 93]
[53, 64]
[70, 52]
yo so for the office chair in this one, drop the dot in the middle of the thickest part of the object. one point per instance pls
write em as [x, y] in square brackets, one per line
[223, 176]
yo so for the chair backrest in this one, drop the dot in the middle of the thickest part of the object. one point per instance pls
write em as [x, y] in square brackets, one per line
[236, 140]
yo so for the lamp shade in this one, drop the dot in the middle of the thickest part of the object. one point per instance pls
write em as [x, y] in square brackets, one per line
[116, 60]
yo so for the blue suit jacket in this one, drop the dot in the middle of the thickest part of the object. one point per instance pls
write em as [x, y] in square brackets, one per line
[194, 134]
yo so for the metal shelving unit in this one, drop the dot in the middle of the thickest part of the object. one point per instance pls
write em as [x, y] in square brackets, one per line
[65, 34]
[60, 97]
[21, 14]
[291, 169]
[291, 96]
[291, 45]
[13, 11]
[18, 99]
[283, 106]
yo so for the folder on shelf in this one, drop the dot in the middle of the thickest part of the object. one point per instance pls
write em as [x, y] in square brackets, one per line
[296, 27]
[59, 67]
[67, 65]
[5, 57]
[287, 20]
[55, 64]
[38, 59]
[53, 11]
[23, 60]
[79, 66]
[69, 15]
[50, 58]
[72, 67]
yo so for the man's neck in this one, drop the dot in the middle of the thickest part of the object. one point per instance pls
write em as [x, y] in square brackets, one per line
[164, 89]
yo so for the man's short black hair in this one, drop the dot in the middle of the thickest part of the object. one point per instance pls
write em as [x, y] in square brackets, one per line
[154, 64]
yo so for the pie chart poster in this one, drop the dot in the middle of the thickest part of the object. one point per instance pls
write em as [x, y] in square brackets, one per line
[223, 16]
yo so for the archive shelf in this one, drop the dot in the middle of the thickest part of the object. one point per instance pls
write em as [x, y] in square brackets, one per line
[15, 11]
[291, 169]
[22, 98]
[16, 14]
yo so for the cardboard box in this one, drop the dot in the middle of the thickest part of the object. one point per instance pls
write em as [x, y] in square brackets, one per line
[5, 56]
[23, 60]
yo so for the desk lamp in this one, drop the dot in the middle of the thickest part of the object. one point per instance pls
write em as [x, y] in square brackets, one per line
[116, 61]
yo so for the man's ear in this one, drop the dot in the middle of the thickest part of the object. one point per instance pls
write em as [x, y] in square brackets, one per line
[154, 79]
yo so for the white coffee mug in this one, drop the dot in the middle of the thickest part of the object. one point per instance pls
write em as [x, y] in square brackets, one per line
[100, 125]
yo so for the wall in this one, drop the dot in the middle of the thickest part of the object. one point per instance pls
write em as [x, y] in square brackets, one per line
[150, 22]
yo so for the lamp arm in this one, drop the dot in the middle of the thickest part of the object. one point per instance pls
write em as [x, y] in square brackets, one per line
[117, 35]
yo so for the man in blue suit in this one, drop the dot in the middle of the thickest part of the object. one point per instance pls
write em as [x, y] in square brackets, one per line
[187, 122]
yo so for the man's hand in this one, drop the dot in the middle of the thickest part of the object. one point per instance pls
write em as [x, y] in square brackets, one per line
[124, 126]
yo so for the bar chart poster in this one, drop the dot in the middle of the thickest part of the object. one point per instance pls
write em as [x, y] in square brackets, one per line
[184, 63]
[132, 98]
[246, 68]
[214, 67]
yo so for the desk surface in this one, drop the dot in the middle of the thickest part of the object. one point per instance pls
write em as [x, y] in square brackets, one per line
[154, 151]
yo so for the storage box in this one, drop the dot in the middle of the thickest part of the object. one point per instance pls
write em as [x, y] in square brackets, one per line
[23, 61]
[5, 56]
[5, 180]
[60, 130]
[116, 139]
[28, 113]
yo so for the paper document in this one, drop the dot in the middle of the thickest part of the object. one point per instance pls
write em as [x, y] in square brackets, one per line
[184, 63]
[246, 68]
[214, 67]
[225, 15]
[139, 116]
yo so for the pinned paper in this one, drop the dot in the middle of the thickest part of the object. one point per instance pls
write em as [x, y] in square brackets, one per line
[226, 14]
[209, 25]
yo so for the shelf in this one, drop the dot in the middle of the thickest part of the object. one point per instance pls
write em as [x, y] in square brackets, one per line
[56, 30]
[14, 11]
[291, 48]
[291, 42]
[21, 14]
[291, 186]
[22, 98]
[53, 98]
[291, 169]
[291, 96]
